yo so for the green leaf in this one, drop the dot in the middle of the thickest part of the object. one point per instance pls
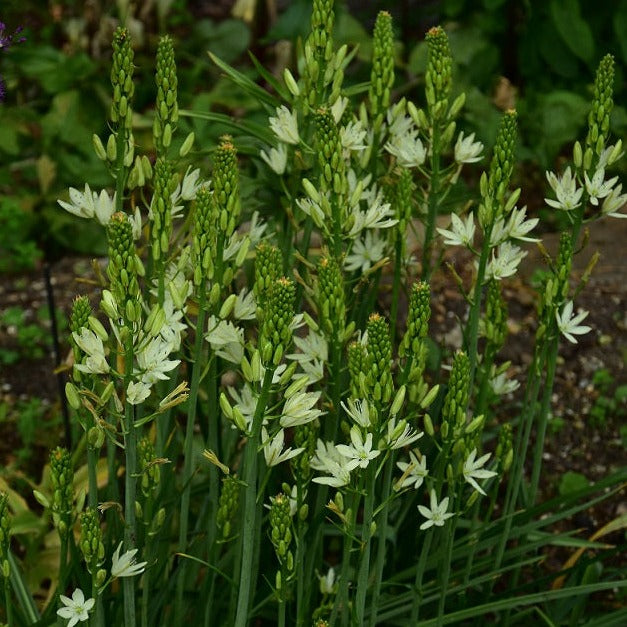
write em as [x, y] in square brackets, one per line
[256, 130]
[572, 481]
[227, 39]
[572, 28]
[241, 80]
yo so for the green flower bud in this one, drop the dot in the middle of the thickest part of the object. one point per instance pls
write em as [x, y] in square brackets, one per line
[382, 74]
[495, 320]
[305, 436]
[62, 476]
[187, 145]
[166, 105]
[90, 542]
[149, 467]
[356, 367]
[602, 105]
[456, 399]
[379, 359]
[71, 393]
[439, 69]
[276, 330]
[330, 297]
[417, 320]
[228, 505]
[502, 163]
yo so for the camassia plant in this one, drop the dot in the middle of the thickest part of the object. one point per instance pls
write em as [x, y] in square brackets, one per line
[266, 438]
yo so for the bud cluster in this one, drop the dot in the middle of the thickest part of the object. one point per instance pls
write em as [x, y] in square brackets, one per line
[502, 163]
[357, 367]
[504, 453]
[228, 505]
[439, 71]
[379, 359]
[204, 236]
[417, 320]
[161, 208]
[276, 329]
[281, 536]
[148, 466]
[382, 73]
[456, 399]
[318, 48]
[495, 321]
[305, 437]
[167, 107]
[268, 268]
[226, 187]
[602, 105]
[331, 300]
[90, 542]
[123, 267]
[62, 476]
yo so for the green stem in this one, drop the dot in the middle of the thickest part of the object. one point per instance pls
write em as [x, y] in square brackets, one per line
[543, 419]
[62, 568]
[472, 332]
[249, 521]
[92, 475]
[396, 284]
[341, 600]
[382, 533]
[432, 206]
[7, 602]
[188, 454]
[366, 540]
[420, 569]
[130, 479]
[120, 169]
[301, 606]
[446, 566]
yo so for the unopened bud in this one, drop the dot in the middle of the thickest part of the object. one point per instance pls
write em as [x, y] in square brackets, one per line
[296, 386]
[577, 155]
[187, 145]
[227, 306]
[429, 397]
[112, 149]
[290, 83]
[99, 148]
[71, 393]
[397, 403]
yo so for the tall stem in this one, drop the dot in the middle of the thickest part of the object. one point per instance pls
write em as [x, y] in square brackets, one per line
[420, 569]
[250, 479]
[188, 456]
[366, 539]
[382, 533]
[130, 482]
[433, 203]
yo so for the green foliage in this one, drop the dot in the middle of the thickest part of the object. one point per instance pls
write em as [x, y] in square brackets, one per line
[18, 251]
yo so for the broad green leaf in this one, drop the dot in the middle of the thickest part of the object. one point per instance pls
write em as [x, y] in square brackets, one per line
[572, 481]
[227, 39]
[572, 28]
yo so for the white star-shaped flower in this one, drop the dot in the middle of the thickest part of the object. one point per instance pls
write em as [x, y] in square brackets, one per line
[566, 190]
[467, 150]
[473, 470]
[360, 451]
[76, 609]
[285, 125]
[462, 233]
[414, 471]
[273, 448]
[126, 565]
[276, 158]
[613, 202]
[598, 187]
[436, 515]
[568, 324]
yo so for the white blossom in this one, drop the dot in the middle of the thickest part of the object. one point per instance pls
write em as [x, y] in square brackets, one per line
[436, 515]
[273, 448]
[89, 204]
[285, 125]
[401, 435]
[76, 609]
[226, 339]
[328, 460]
[153, 362]
[338, 108]
[414, 471]
[467, 150]
[137, 392]
[379, 215]
[501, 384]
[568, 324]
[613, 202]
[92, 346]
[504, 261]
[276, 158]
[352, 136]
[187, 188]
[566, 190]
[126, 565]
[474, 470]
[359, 411]
[365, 252]
[462, 232]
[359, 452]
[299, 409]
[245, 307]
[328, 584]
[598, 187]
[408, 150]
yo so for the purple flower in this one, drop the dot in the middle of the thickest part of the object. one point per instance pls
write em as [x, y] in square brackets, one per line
[6, 40]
